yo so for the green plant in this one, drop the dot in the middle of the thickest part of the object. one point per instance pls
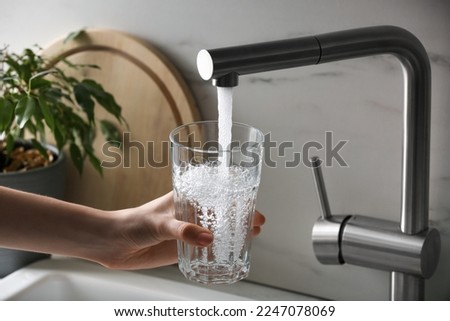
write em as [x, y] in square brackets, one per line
[37, 98]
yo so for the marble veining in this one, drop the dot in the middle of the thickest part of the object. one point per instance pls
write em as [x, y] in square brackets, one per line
[328, 74]
[440, 61]
[384, 107]
[269, 80]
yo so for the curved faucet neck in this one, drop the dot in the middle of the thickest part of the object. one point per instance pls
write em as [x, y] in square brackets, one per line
[225, 65]
[417, 105]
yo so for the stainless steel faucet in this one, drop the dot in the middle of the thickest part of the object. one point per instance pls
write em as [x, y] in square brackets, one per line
[410, 250]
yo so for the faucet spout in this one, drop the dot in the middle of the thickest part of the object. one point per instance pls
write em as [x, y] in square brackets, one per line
[219, 64]
[225, 65]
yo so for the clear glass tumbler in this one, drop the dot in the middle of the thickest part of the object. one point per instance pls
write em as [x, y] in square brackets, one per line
[215, 187]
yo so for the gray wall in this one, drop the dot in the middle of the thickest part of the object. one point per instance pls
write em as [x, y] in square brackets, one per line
[359, 101]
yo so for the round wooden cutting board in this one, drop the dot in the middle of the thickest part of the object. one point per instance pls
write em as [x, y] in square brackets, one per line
[154, 99]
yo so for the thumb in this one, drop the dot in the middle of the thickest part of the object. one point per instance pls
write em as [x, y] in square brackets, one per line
[186, 232]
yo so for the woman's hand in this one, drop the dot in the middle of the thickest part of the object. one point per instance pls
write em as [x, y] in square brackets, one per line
[146, 236]
[135, 238]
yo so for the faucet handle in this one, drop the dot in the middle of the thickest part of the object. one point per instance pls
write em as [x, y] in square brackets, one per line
[320, 187]
[327, 230]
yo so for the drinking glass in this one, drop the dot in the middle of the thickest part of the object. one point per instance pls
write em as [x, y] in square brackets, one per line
[216, 187]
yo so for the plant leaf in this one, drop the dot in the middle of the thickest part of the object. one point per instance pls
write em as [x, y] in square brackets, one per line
[43, 73]
[9, 143]
[48, 116]
[74, 35]
[40, 128]
[77, 158]
[12, 63]
[24, 110]
[87, 135]
[111, 132]
[60, 136]
[6, 114]
[39, 147]
[38, 83]
[31, 128]
[76, 66]
[95, 162]
[83, 98]
[104, 98]
[36, 80]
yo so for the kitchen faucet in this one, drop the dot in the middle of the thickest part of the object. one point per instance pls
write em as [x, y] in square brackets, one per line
[409, 250]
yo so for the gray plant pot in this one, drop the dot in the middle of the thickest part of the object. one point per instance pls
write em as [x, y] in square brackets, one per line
[47, 181]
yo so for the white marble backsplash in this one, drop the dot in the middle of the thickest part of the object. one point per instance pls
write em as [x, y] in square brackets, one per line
[358, 100]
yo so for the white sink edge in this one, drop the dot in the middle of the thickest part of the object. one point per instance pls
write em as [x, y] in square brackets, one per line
[74, 279]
